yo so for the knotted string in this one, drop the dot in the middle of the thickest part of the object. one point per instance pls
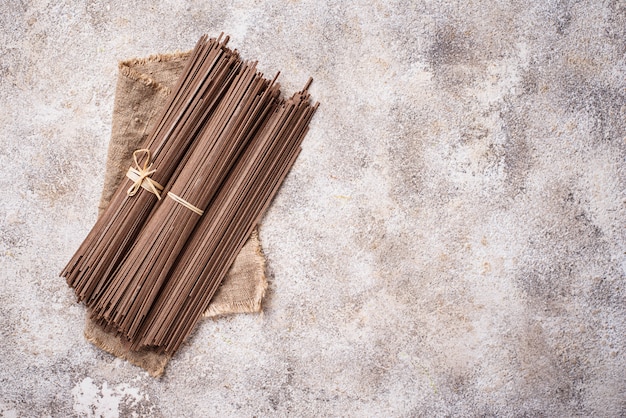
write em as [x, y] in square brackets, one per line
[141, 176]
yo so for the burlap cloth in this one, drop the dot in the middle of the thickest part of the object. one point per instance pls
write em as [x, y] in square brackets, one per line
[142, 88]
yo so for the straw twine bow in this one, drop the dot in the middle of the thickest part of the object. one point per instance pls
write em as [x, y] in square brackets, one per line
[141, 176]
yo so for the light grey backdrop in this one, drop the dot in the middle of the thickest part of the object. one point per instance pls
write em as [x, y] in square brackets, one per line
[451, 240]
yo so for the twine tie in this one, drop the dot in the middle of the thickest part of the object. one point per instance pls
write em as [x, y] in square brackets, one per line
[186, 204]
[141, 176]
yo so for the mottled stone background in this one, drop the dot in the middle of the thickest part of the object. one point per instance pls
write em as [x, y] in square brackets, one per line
[451, 240]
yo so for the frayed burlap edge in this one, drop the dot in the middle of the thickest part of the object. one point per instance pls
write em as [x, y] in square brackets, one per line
[148, 360]
[223, 306]
[127, 70]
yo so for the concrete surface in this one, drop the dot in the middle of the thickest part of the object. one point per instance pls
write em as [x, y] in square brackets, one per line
[450, 242]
